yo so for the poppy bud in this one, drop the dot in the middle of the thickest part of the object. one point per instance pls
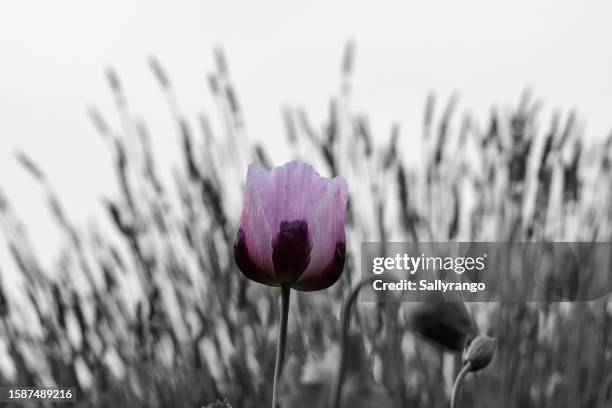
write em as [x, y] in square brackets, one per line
[479, 353]
[446, 324]
[292, 227]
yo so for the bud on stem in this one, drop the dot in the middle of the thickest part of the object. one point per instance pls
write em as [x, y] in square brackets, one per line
[480, 352]
[477, 356]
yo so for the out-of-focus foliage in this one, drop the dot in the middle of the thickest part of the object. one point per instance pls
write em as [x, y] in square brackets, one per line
[155, 314]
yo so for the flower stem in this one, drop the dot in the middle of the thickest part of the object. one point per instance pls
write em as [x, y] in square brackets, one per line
[466, 368]
[345, 319]
[282, 339]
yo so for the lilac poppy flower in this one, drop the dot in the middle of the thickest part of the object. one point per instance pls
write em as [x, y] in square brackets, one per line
[292, 227]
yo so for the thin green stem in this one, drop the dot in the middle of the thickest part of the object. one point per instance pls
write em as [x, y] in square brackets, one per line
[282, 339]
[466, 368]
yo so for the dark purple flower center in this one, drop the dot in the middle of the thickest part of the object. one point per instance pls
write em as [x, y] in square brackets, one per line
[291, 251]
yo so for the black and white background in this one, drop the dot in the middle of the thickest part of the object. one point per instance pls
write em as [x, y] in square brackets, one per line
[126, 128]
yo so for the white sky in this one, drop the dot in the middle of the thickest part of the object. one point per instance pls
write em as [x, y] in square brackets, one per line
[53, 53]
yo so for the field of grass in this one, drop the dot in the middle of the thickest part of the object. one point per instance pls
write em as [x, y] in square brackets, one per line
[156, 314]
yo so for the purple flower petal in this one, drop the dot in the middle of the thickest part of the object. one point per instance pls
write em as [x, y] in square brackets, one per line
[327, 235]
[328, 276]
[253, 247]
[247, 265]
[289, 193]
